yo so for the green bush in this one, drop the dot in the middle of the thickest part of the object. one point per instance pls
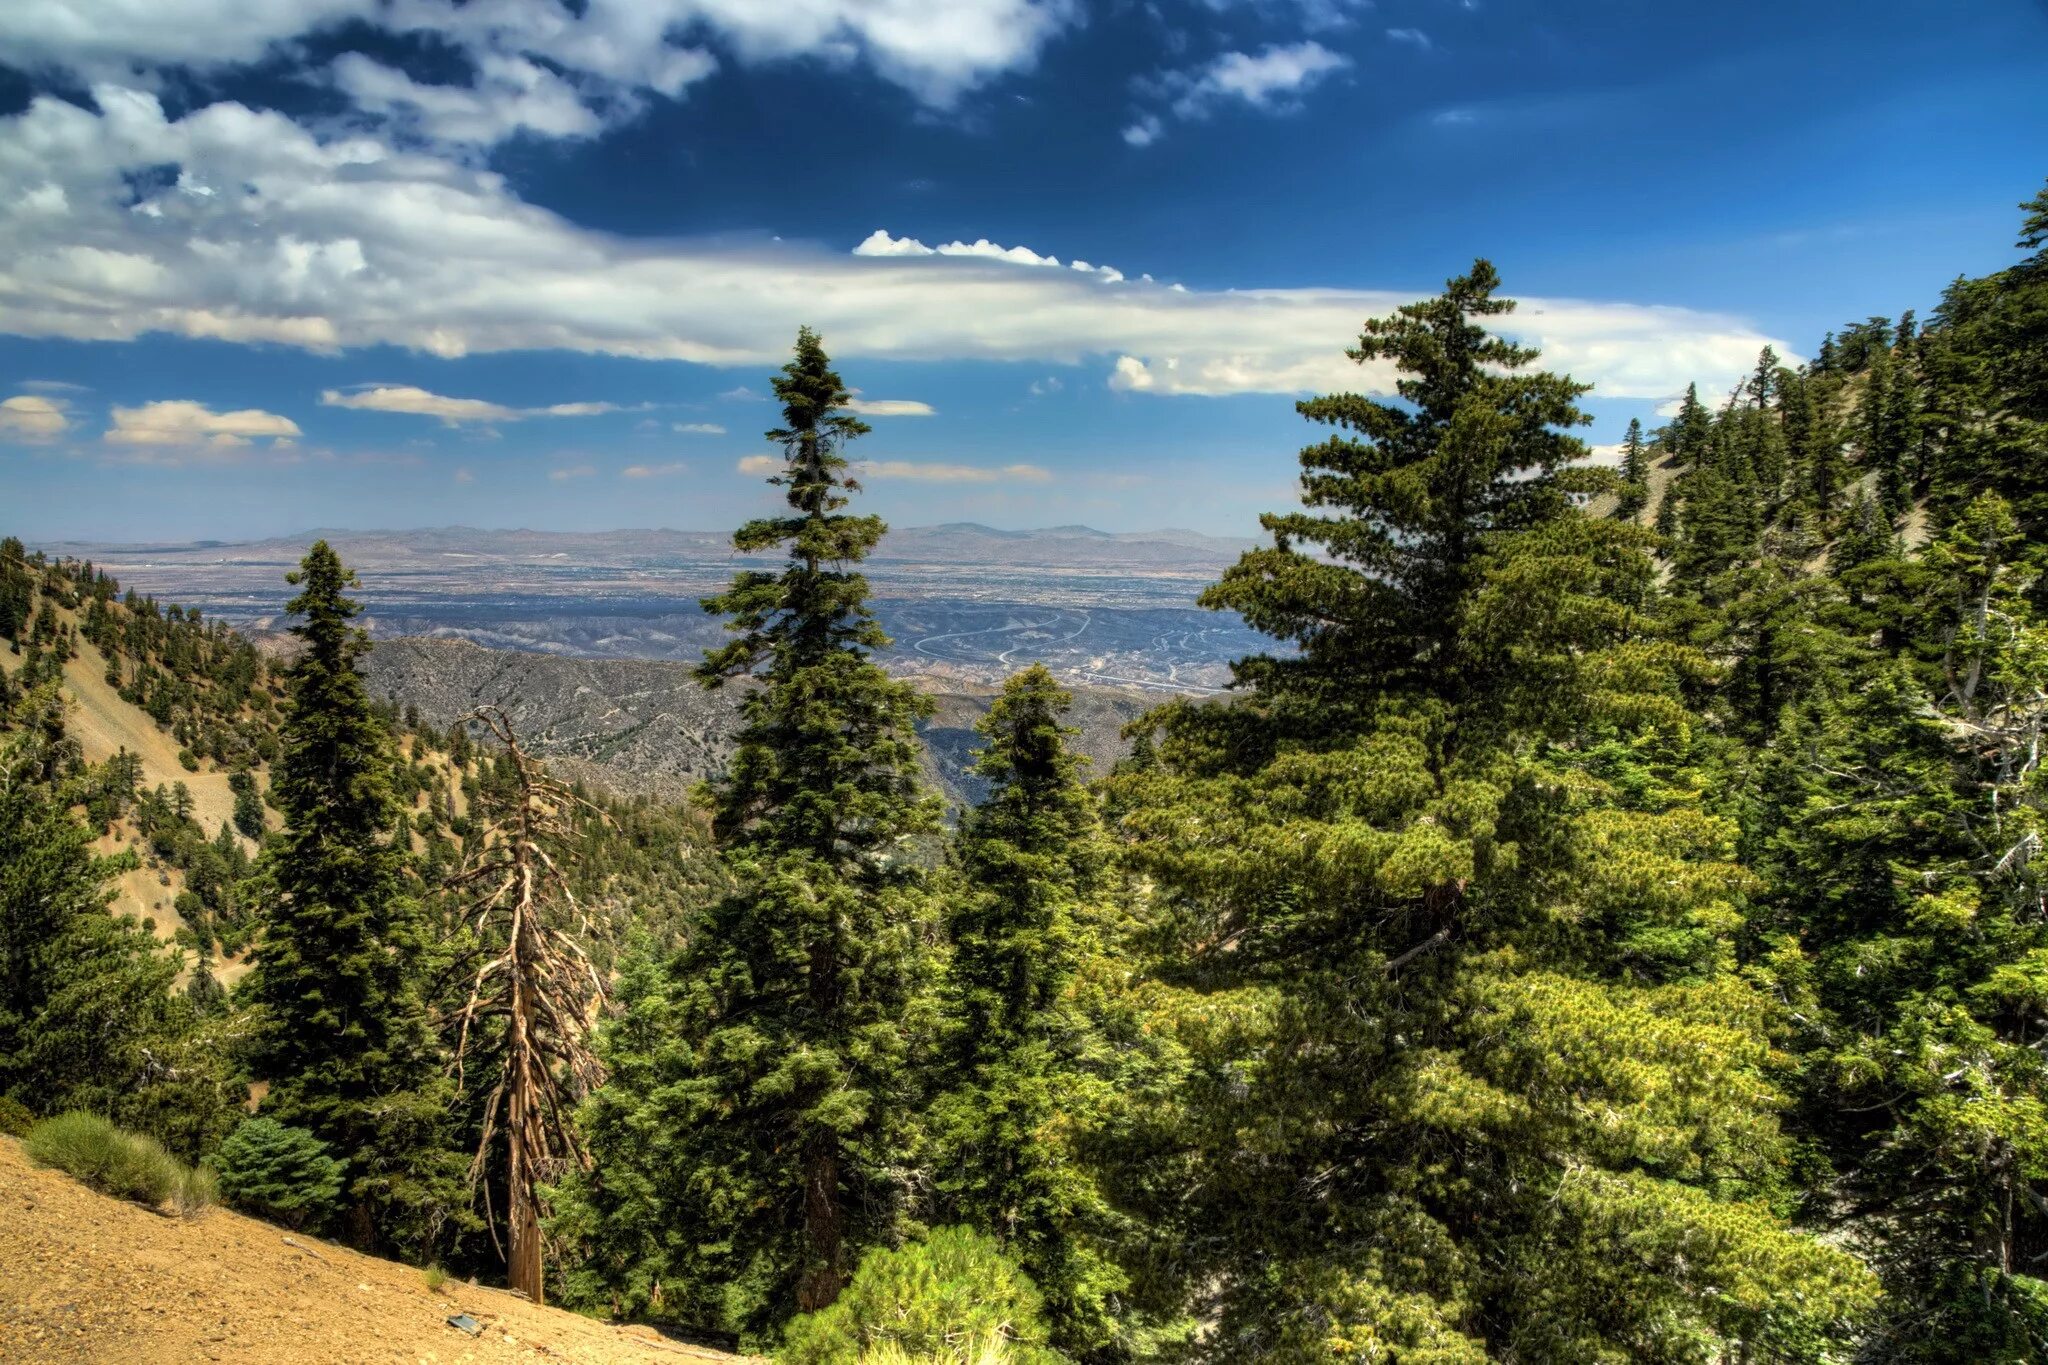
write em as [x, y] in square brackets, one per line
[15, 1118]
[117, 1162]
[953, 1299]
[283, 1174]
[188, 760]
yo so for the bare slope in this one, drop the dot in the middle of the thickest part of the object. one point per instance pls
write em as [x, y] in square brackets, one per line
[87, 1278]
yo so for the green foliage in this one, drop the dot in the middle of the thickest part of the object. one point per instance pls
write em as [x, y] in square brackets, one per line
[280, 1173]
[343, 1030]
[799, 1002]
[15, 1117]
[114, 1161]
[952, 1297]
[1452, 939]
[87, 1018]
[1039, 1061]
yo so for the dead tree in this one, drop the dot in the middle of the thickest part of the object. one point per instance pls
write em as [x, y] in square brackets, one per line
[539, 989]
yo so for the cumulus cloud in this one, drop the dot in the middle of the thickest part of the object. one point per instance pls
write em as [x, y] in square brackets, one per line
[652, 471]
[183, 423]
[538, 65]
[418, 402]
[937, 472]
[889, 407]
[699, 428]
[760, 465]
[33, 418]
[350, 241]
[574, 471]
[880, 243]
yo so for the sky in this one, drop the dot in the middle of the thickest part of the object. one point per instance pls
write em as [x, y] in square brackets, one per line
[269, 265]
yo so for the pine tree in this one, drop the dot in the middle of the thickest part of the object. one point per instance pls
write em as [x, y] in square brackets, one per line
[1635, 473]
[803, 997]
[344, 1036]
[1453, 938]
[1033, 1067]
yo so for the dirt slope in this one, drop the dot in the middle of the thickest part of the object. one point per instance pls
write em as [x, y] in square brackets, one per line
[86, 1278]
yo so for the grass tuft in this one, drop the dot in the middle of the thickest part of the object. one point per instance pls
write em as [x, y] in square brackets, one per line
[114, 1161]
[435, 1277]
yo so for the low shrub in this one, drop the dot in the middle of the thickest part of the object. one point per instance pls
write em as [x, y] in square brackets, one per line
[15, 1118]
[114, 1161]
[280, 1173]
[952, 1299]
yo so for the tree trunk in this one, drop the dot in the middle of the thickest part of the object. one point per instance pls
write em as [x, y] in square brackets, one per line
[823, 1276]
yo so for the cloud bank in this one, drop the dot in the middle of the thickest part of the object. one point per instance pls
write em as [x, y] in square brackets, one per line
[270, 233]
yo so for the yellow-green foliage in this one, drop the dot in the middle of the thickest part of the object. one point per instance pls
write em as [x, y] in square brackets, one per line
[117, 1162]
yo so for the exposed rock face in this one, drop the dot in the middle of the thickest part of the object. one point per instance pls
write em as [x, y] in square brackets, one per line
[638, 725]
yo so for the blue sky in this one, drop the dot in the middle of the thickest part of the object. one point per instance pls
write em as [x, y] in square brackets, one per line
[274, 264]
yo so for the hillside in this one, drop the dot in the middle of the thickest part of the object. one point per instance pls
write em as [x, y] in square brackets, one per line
[113, 1281]
[648, 725]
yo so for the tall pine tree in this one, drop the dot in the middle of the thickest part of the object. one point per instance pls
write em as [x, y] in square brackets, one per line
[785, 1087]
[344, 1036]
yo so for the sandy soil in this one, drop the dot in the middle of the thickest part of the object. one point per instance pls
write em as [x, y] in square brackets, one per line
[87, 1278]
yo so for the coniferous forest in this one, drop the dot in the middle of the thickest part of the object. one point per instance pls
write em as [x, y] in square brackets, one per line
[1606, 924]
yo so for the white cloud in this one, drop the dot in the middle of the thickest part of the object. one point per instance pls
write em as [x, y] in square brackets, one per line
[699, 428]
[880, 243]
[182, 422]
[53, 386]
[349, 241]
[760, 465]
[574, 471]
[1272, 76]
[418, 402]
[652, 471]
[1414, 37]
[536, 63]
[464, 474]
[32, 418]
[510, 95]
[1050, 384]
[935, 472]
[1272, 80]
[889, 407]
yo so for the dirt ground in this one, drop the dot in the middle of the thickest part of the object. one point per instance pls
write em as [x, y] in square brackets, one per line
[87, 1278]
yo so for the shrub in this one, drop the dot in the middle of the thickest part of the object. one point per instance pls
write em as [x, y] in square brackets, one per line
[117, 1162]
[188, 760]
[953, 1299]
[15, 1118]
[283, 1174]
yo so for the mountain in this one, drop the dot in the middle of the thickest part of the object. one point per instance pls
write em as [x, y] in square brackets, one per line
[647, 725]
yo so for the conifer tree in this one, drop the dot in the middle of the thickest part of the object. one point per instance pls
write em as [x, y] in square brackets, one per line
[1031, 1064]
[803, 997]
[1635, 473]
[344, 1036]
[1453, 935]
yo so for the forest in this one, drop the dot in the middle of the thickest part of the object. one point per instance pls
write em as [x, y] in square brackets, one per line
[1607, 923]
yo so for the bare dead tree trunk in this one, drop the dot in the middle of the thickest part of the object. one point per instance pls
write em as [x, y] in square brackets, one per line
[539, 984]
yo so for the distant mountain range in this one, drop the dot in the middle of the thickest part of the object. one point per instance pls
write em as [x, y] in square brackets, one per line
[950, 543]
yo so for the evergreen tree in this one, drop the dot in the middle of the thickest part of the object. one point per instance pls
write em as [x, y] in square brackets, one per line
[1635, 473]
[343, 1034]
[1033, 1066]
[803, 998]
[1453, 936]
